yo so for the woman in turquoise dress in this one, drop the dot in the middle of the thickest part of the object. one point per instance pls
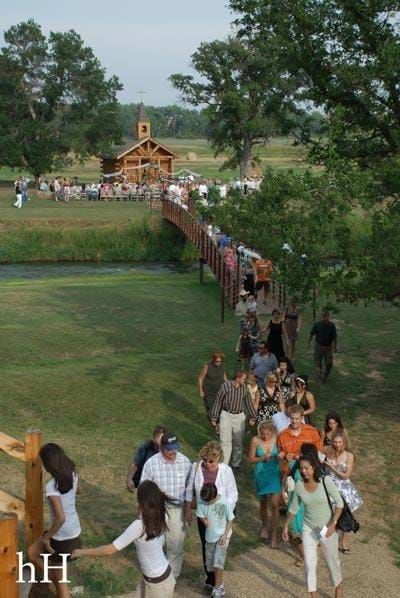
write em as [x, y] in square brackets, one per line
[263, 453]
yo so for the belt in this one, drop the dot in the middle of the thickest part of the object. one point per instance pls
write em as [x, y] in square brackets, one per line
[162, 577]
[232, 412]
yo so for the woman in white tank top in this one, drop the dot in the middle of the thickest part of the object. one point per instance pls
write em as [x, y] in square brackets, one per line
[148, 534]
[63, 536]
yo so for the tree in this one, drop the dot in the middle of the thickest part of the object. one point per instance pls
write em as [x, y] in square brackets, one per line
[246, 95]
[55, 101]
[348, 57]
[166, 121]
[297, 220]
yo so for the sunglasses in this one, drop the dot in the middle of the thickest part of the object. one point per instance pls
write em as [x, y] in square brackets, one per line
[209, 460]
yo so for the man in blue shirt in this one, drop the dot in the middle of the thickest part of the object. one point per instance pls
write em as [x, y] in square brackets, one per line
[262, 363]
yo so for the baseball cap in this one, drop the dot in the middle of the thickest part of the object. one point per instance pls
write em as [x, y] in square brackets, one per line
[169, 441]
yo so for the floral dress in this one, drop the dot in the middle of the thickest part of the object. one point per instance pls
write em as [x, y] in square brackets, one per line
[268, 405]
[286, 386]
[346, 488]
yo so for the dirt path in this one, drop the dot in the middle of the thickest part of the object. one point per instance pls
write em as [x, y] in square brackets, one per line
[368, 572]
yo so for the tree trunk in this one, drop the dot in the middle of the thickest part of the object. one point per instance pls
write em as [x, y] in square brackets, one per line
[245, 157]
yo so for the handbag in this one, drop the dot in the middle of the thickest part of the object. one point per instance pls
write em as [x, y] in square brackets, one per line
[347, 522]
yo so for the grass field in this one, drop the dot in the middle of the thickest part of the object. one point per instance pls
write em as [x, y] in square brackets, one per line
[95, 362]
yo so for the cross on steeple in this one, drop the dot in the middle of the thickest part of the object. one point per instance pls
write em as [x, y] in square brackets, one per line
[141, 93]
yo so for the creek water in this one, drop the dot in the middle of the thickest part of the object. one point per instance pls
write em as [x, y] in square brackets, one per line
[31, 271]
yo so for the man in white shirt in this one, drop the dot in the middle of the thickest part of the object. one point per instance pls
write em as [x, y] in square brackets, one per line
[203, 190]
[223, 191]
[170, 470]
[281, 420]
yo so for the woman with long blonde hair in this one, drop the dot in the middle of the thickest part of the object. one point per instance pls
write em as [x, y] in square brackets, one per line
[263, 453]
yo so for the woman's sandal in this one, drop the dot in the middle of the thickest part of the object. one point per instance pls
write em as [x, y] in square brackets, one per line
[345, 550]
[298, 562]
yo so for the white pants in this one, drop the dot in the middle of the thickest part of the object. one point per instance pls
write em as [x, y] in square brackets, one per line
[165, 589]
[331, 554]
[18, 203]
[174, 539]
[231, 433]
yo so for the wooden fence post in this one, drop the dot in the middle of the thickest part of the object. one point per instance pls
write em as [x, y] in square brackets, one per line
[201, 270]
[8, 555]
[34, 487]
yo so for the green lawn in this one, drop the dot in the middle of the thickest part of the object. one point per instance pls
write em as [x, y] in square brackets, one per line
[96, 361]
[41, 210]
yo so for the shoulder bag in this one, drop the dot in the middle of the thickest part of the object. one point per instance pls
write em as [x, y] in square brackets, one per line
[346, 522]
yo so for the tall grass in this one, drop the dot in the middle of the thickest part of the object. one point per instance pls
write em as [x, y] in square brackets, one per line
[150, 239]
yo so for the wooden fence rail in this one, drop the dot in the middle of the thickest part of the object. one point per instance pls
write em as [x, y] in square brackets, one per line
[229, 281]
[30, 509]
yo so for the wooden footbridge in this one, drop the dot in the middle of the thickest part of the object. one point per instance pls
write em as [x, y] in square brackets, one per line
[229, 281]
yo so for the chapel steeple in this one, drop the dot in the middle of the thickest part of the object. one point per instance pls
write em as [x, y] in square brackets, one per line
[142, 126]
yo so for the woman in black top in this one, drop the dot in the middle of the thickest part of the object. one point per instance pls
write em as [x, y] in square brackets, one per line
[271, 399]
[211, 378]
[302, 396]
[276, 334]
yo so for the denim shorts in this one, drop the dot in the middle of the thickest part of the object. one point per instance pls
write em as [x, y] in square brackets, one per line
[215, 555]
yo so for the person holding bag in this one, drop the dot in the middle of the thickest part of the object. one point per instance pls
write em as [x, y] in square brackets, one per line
[210, 469]
[340, 464]
[319, 524]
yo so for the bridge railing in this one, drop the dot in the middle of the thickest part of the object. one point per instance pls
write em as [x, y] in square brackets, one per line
[185, 219]
[229, 281]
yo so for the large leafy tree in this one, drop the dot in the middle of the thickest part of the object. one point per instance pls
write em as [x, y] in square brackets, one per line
[246, 95]
[347, 54]
[55, 100]
[297, 220]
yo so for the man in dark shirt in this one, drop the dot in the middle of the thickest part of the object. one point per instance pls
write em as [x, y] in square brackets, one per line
[325, 344]
[143, 453]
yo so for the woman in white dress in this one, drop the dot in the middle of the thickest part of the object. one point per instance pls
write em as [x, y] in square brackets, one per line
[340, 461]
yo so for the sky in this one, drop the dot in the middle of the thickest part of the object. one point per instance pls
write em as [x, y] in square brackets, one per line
[142, 42]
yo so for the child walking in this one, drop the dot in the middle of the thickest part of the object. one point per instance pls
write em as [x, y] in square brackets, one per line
[217, 516]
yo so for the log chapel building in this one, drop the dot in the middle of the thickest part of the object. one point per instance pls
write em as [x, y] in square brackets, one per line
[142, 159]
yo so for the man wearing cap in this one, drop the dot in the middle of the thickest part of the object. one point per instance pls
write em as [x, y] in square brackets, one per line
[242, 305]
[325, 344]
[170, 470]
[144, 452]
[228, 411]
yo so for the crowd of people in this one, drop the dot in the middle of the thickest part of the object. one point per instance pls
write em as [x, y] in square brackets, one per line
[120, 188]
[297, 468]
